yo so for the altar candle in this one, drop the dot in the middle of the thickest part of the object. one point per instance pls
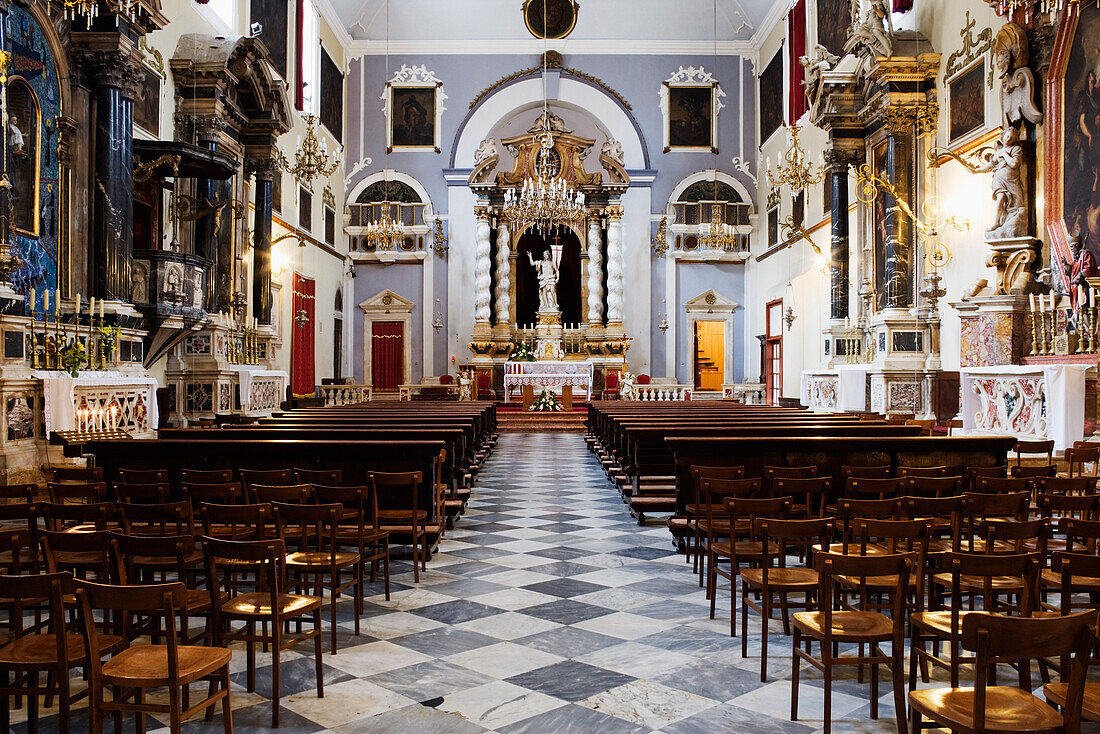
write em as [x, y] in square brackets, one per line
[101, 309]
[45, 300]
[77, 311]
[32, 300]
[91, 308]
[1032, 299]
[1052, 301]
[56, 302]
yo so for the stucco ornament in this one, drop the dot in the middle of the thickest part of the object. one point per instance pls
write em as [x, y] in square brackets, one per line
[1010, 54]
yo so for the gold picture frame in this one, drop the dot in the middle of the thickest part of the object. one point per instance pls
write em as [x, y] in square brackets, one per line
[559, 18]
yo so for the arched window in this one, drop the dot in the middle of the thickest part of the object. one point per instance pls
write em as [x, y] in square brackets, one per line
[338, 306]
[400, 202]
[396, 191]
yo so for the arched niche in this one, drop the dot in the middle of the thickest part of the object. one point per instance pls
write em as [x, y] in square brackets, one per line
[365, 183]
[23, 136]
[710, 175]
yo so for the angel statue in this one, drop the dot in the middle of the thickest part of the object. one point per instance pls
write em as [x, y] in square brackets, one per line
[626, 386]
[1006, 163]
[1010, 51]
[820, 62]
[547, 274]
[871, 35]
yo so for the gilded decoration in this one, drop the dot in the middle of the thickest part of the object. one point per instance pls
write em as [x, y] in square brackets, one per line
[973, 48]
[568, 154]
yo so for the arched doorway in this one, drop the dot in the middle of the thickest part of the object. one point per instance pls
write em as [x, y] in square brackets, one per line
[566, 248]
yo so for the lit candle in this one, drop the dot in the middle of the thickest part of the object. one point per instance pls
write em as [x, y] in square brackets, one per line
[91, 307]
[56, 303]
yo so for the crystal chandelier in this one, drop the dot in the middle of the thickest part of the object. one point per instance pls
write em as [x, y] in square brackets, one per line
[89, 9]
[545, 202]
[311, 160]
[719, 235]
[794, 169]
[1047, 7]
[385, 232]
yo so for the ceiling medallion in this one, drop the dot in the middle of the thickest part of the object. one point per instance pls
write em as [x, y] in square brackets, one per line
[550, 18]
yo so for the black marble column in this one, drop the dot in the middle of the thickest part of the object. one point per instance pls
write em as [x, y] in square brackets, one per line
[898, 246]
[261, 240]
[113, 186]
[837, 161]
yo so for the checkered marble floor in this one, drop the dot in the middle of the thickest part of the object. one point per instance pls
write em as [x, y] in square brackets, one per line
[547, 609]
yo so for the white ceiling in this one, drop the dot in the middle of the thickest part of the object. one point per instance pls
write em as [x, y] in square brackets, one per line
[494, 21]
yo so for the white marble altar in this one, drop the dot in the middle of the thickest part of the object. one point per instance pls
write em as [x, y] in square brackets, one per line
[548, 374]
[843, 388]
[99, 400]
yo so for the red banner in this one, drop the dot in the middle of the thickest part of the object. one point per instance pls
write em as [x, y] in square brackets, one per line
[302, 376]
[387, 355]
[796, 39]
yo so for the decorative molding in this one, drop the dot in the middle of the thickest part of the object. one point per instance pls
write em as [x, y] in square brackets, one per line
[743, 167]
[535, 70]
[153, 58]
[692, 76]
[414, 77]
[360, 165]
[972, 50]
[534, 47]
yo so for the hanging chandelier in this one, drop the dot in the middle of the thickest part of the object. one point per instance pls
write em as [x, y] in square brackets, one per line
[546, 202]
[794, 168]
[311, 160]
[89, 9]
[719, 235]
[1047, 7]
[385, 232]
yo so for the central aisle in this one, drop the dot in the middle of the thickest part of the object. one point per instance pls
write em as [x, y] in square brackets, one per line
[549, 610]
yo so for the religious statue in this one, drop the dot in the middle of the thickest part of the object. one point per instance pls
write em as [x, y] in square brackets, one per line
[15, 136]
[626, 386]
[487, 150]
[547, 274]
[1006, 163]
[465, 386]
[872, 34]
[1078, 271]
[820, 62]
[1010, 50]
[613, 149]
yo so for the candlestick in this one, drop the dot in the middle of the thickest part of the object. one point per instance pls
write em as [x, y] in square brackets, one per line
[1032, 299]
[1034, 328]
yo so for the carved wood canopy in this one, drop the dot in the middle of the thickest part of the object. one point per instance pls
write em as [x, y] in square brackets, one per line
[567, 158]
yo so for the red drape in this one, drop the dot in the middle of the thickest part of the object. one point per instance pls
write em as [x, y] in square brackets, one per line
[903, 6]
[302, 376]
[387, 356]
[796, 38]
[299, 51]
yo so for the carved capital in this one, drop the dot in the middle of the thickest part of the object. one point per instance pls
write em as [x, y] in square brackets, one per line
[112, 68]
[839, 160]
[190, 126]
[900, 120]
[928, 118]
[483, 213]
[264, 169]
[66, 130]
[614, 212]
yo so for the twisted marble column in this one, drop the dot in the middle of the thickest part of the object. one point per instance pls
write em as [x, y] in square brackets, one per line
[482, 268]
[504, 276]
[595, 274]
[615, 265]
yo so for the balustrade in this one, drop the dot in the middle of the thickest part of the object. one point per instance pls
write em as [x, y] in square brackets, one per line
[336, 395]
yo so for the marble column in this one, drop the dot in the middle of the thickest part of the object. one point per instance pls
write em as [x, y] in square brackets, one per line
[264, 170]
[898, 247]
[116, 80]
[595, 274]
[615, 266]
[482, 270]
[503, 276]
[837, 161]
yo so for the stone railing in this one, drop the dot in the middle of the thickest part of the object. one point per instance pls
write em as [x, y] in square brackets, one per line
[662, 393]
[749, 393]
[345, 394]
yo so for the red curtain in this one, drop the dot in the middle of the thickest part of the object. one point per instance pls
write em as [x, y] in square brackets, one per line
[903, 6]
[299, 51]
[387, 354]
[796, 38]
[302, 376]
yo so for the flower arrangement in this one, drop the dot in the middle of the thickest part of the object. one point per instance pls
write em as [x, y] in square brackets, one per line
[547, 402]
[522, 353]
[73, 357]
[108, 337]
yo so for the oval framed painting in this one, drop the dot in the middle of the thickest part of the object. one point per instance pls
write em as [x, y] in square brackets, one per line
[550, 18]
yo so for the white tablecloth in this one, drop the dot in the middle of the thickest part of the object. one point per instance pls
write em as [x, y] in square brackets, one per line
[1006, 410]
[548, 374]
[59, 393]
[246, 374]
[851, 387]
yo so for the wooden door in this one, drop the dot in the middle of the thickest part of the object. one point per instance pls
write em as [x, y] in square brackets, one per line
[387, 356]
[302, 359]
[773, 352]
[710, 351]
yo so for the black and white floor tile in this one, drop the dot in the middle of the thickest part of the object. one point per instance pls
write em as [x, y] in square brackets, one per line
[547, 609]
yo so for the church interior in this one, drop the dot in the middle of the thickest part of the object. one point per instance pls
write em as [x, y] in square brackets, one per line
[522, 366]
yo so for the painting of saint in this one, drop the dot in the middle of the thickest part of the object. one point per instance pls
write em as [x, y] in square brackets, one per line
[1082, 130]
[689, 117]
[550, 18]
[771, 97]
[967, 99]
[413, 118]
[147, 103]
[22, 134]
[833, 19]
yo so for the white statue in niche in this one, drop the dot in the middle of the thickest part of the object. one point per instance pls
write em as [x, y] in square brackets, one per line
[15, 136]
[1010, 50]
[547, 274]
[1006, 163]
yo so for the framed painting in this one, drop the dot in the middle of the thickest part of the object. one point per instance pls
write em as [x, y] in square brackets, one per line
[771, 97]
[24, 132]
[773, 226]
[834, 17]
[798, 208]
[147, 102]
[332, 96]
[966, 102]
[690, 100]
[273, 17]
[550, 18]
[413, 105]
[1073, 124]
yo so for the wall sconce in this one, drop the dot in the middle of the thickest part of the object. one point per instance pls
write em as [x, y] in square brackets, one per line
[663, 323]
[437, 319]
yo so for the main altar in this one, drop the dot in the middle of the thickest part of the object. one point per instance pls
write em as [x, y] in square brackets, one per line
[548, 375]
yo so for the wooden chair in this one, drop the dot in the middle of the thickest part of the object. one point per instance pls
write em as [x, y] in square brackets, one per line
[971, 473]
[693, 512]
[739, 548]
[136, 668]
[714, 521]
[1033, 448]
[1034, 472]
[236, 522]
[1070, 574]
[878, 489]
[997, 639]
[148, 493]
[1002, 485]
[205, 476]
[68, 493]
[81, 554]
[922, 471]
[248, 477]
[221, 493]
[610, 391]
[356, 527]
[1065, 485]
[327, 477]
[831, 627]
[771, 473]
[18, 493]
[779, 580]
[944, 515]
[934, 486]
[51, 649]
[1014, 536]
[1077, 456]
[809, 494]
[994, 579]
[76, 518]
[851, 510]
[314, 555]
[399, 512]
[864, 472]
[166, 518]
[297, 493]
[143, 476]
[268, 607]
[77, 474]
[979, 507]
